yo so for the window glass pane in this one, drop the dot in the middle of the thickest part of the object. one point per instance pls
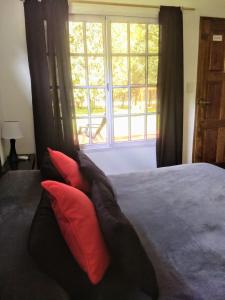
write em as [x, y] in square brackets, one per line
[98, 130]
[97, 97]
[83, 131]
[137, 38]
[137, 69]
[153, 38]
[78, 70]
[152, 69]
[137, 127]
[120, 101]
[119, 37]
[76, 37]
[151, 126]
[152, 98]
[81, 102]
[120, 70]
[96, 70]
[94, 36]
[120, 129]
[137, 100]
[129, 119]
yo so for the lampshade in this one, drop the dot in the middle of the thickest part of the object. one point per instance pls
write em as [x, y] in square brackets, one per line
[11, 130]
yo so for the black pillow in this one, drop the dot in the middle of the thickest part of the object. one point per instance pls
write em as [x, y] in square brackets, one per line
[115, 286]
[48, 171]
[91, 172]
[31, 285]
[122, 240]
[48, 248]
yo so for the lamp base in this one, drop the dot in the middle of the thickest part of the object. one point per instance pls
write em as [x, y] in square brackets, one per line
[13, 159]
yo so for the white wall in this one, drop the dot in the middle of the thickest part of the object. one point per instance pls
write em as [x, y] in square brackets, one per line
[14, 73]
[15, 89]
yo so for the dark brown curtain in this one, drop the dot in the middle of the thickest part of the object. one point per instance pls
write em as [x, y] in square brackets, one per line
[48, 53]
[170, 88]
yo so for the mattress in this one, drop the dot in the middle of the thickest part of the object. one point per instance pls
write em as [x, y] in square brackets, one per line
[179, 215]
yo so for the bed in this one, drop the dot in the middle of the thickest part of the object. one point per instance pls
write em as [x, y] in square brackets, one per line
[178, 213]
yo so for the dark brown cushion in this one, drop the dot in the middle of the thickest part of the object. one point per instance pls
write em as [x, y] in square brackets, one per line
[31, 285]
[49, 250]
[48, 170]
[124, 245]
[91, 172]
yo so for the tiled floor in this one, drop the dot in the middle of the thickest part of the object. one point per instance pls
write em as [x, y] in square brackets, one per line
[125, 160]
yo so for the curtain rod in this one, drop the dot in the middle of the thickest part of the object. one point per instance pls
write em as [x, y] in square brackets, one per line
[124, 4]
[120, 4]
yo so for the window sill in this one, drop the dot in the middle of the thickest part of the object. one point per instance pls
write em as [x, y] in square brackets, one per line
[106, 147]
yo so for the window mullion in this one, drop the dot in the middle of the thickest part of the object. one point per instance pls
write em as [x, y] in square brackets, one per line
[129, 84]
[87, 81]
[146, 86]
[109, 80]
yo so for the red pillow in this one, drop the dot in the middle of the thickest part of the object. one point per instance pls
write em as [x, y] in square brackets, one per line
[69, 170]
[78, 222]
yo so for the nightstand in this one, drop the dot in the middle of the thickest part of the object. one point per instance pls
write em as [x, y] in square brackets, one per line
[28, 164]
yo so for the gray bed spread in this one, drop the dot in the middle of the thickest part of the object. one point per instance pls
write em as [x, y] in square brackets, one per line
[179, 215]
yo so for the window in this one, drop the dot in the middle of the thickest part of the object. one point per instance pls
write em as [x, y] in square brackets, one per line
[114, 71]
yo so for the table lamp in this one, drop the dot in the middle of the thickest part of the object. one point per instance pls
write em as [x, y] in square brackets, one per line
[11, 130]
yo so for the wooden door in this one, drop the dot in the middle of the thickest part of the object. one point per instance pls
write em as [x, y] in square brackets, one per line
[209, 137]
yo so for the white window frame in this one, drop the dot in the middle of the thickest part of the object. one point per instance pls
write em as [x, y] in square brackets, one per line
[106, 21]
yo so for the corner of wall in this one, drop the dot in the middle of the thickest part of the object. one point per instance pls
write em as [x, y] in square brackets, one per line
[191, 39]
[2, 157]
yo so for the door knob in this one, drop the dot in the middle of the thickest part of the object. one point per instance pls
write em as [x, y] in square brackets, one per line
[202, 101]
